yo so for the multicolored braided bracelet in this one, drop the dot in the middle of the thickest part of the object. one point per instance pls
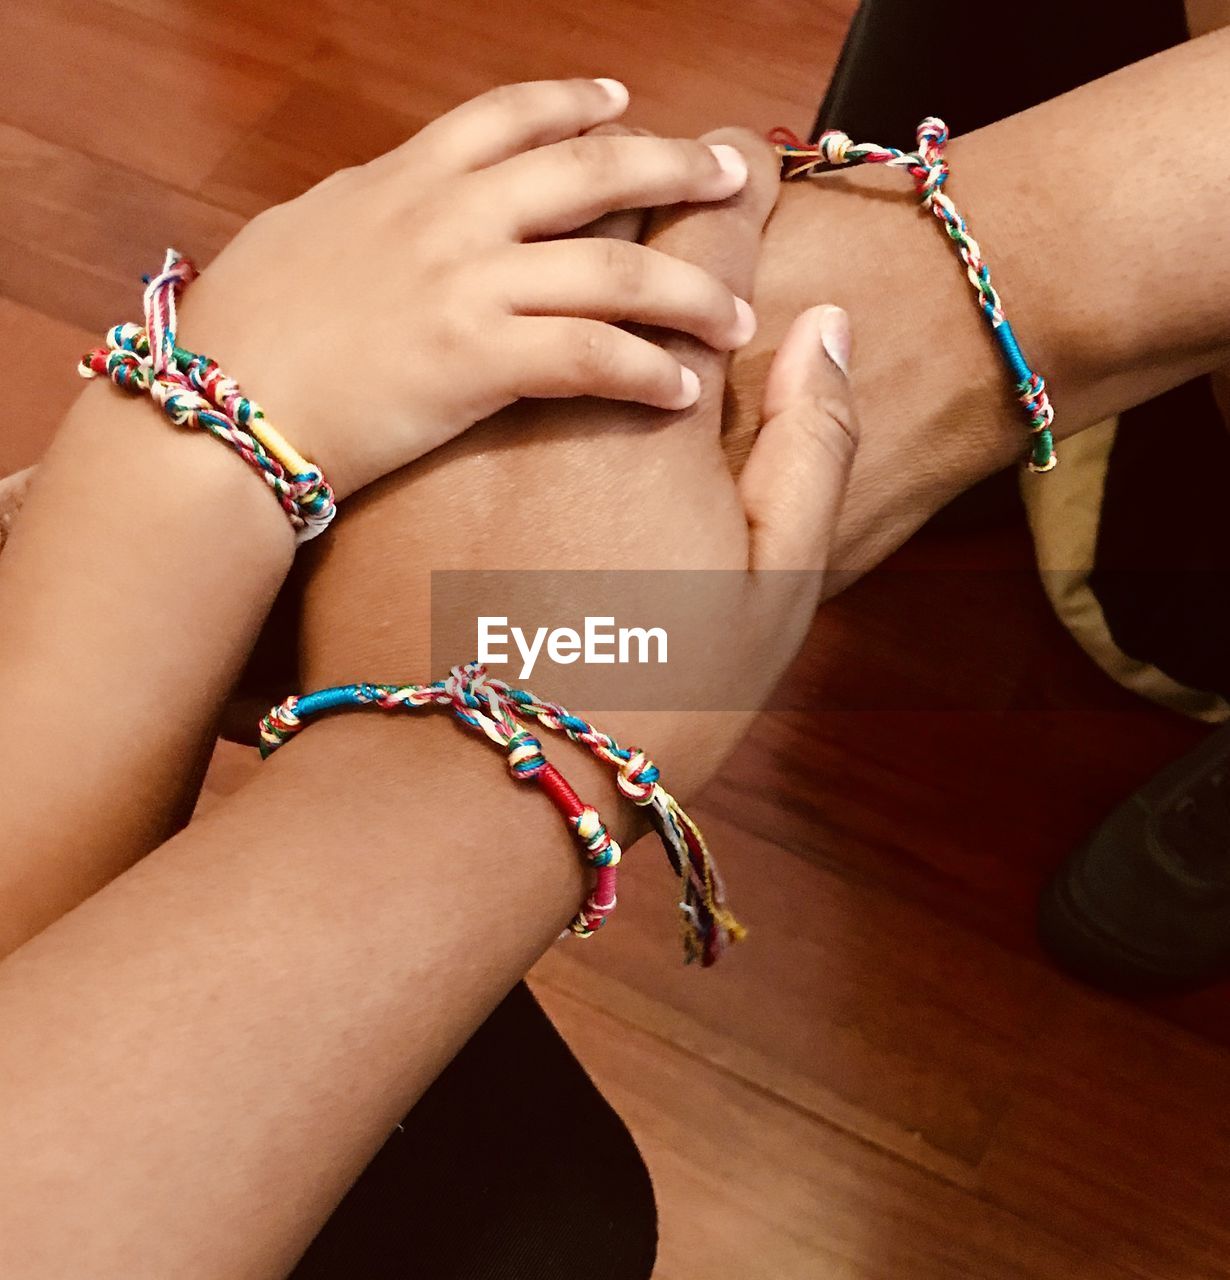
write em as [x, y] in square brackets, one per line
[929, 169]
[192, 391]
[492, 707]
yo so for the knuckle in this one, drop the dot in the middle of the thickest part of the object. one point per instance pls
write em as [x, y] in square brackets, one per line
[274, 223]
[508, 99]
[441, 280]
[590, 157]
[592, 358]
[611, 129]
[349, 177]
[455, 330]
[835, 422]
[443, 227]
[623, 266]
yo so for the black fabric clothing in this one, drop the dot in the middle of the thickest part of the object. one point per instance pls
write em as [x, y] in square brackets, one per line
[511, 1167]
[972, 62]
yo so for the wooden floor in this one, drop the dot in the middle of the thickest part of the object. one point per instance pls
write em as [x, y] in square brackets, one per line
[888, 1081]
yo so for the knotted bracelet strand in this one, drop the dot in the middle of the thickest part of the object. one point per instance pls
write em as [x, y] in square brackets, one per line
[495, 709]
[929, 169]
[193, 392]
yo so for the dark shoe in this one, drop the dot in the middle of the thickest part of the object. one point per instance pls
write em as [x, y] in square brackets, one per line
[1144, 905]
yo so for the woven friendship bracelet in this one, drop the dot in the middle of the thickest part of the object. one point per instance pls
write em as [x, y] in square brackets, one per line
[193, 392]
[492, 707]
[929, 169]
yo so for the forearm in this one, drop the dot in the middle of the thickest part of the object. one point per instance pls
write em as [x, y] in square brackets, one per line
[201, 1058]
[131, 590]
[1102, 215]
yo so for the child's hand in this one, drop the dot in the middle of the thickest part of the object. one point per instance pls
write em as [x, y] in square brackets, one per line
[396, 304]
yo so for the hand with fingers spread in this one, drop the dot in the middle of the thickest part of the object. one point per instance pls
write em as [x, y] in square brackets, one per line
[397, 303]
[619, 487]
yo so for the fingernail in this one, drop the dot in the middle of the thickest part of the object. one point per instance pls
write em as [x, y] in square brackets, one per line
[835, 337]
[745, 322]
[730, 160]
[616, 90]
[691, 388]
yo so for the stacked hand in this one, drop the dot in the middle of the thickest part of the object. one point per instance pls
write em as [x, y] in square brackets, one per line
[591, 484]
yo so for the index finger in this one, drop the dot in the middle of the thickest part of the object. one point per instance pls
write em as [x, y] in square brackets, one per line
[510, 119]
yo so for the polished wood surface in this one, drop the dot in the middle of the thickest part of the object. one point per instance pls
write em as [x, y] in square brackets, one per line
[888, 1080]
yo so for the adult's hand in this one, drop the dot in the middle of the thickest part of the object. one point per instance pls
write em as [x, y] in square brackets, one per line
[938, 410]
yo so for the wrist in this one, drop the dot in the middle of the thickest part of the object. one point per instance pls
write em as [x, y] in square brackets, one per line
[936, 404]
[178, 476]
[211, 324]
[859, 239]
[359, 764]
[410, 787]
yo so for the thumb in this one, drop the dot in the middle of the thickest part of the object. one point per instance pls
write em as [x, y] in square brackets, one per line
[796, 476]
